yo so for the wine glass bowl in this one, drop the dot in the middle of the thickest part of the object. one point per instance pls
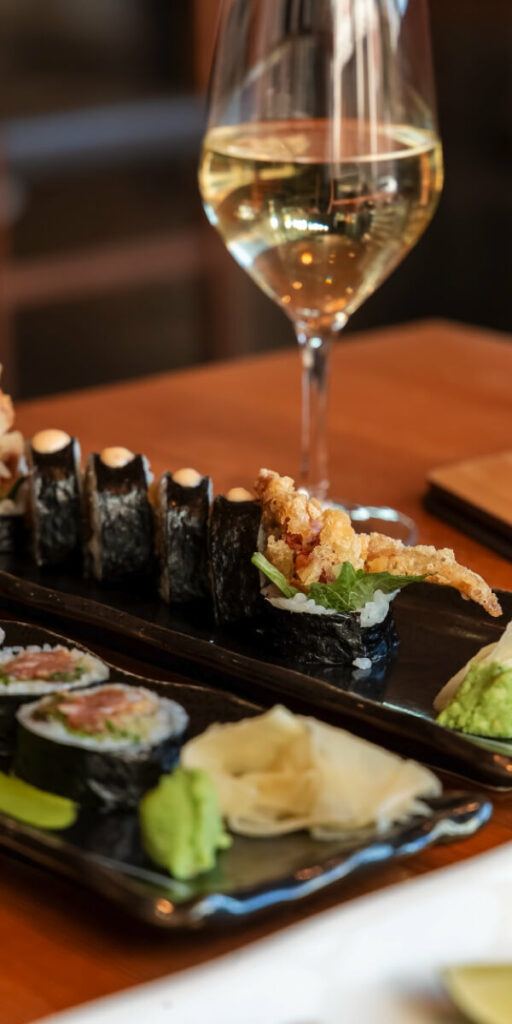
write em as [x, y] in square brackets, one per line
[322, 164]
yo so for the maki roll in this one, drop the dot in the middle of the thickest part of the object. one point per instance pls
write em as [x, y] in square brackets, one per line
[328, 590]
[118, 519]
[13, 472]
[233, 537]
[183, 510]
[54, 496]
[102, 747]
[298, 629]
[13, 531]
[27, 673]
[319, 602]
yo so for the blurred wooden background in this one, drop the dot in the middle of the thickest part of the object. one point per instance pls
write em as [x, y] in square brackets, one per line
[107, 266]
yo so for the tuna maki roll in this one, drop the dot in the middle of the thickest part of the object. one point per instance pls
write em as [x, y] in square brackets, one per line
[183, 510]
[27, 673]
[54, 496]
[118, 519]
[233, 537]
[102, 747]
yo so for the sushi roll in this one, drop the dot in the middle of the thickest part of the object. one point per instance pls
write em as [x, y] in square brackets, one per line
[118, 519]
[319, 604]
[183, 510]
[13, 473]
[13, 531]
[299, 630]
[233, 537]
[103, 746]
[27, 673]
[54, 496]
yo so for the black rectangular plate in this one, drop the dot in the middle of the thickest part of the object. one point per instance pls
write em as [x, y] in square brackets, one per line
[438, 631]
[105, 853]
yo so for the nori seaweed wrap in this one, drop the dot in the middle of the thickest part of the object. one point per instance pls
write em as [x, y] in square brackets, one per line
[337, 639]
[13, 530]
[118, 518]
[182, 516]
[54, 496]
[97, 750]
[233, 537]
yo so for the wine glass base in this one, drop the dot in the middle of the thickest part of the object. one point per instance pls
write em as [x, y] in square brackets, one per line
[379, 519]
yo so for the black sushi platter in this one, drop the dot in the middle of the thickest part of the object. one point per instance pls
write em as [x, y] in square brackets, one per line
[391, 703]
[103, 848]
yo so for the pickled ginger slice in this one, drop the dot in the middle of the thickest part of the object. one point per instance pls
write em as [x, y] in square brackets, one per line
[500, 653]
[279, 773]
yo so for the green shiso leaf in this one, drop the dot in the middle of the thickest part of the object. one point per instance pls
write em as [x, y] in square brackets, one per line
[274, 575]
[181, 825]
[353, 588]
[4, 679]
[35, 807]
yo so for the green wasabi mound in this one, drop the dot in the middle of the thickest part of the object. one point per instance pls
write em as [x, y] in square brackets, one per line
[483, 703]
[35, 807]
[181, 825]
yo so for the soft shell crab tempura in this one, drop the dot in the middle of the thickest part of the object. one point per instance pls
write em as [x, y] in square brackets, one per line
[308, 543]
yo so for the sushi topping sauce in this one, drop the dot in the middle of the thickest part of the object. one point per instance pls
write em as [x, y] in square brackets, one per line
[109, 711]
[57, 665]
[116, 458]
[239, 494]
[187, 477]
[47, 442]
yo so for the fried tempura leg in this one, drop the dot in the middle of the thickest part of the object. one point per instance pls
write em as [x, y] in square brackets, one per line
[388, 555]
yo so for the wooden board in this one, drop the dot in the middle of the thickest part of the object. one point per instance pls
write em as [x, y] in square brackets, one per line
[476, 496]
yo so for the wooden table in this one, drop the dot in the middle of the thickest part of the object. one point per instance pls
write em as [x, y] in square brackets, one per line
[403, 400]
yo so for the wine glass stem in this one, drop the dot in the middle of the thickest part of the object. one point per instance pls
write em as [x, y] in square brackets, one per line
[315, 363]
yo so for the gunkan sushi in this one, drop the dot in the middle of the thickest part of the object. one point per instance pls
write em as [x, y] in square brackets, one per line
[54, 496]
[233, 537]
[118, 519]
[182, 514]
[27, 673]
[102, 747]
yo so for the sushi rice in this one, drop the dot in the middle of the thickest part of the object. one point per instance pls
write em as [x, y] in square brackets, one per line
[373, 613]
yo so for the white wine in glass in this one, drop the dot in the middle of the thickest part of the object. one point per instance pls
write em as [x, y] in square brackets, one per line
[322, 165]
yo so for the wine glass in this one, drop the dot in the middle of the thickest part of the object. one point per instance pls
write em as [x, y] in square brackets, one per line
[321, 168]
